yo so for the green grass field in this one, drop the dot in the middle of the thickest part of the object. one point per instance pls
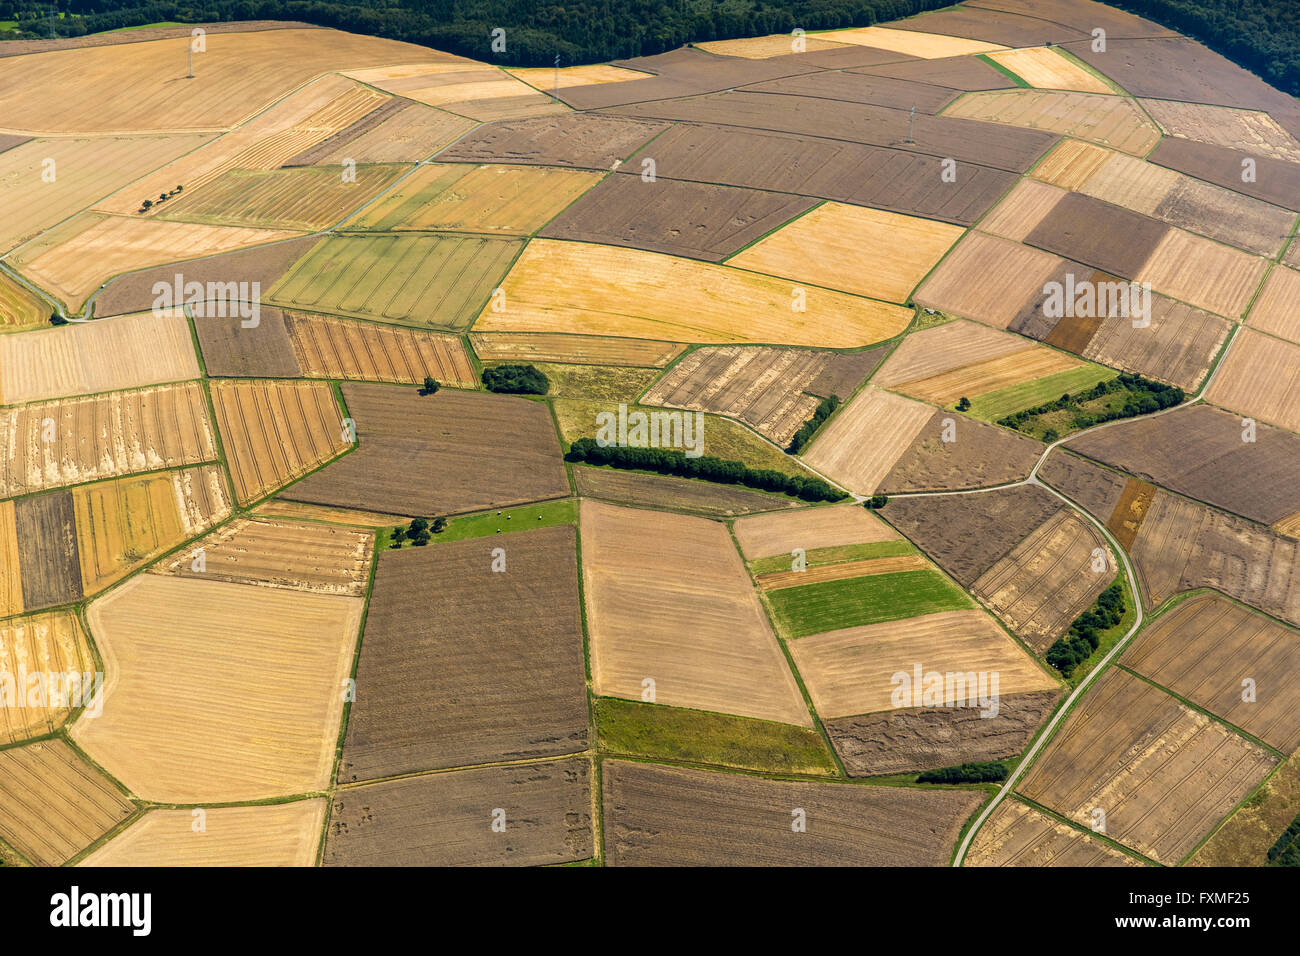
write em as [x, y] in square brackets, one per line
[991, 406]
[676, 733]
[832, 605]
[820, 557]
[523, 518]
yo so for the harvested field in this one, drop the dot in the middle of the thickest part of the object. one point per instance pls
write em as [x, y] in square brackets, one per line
[143, 349]
[767, 388]
[1245, 837]
[995, 26]
[674, 494]
[867, 567]
[666, 816]
[1275, 310]
[1049, 69]
[570, 76]
[477, 90]
[1292, 255]
[419, 280]
[1254, 132]
[499, 200]
[20, 308]
[1260, 377]
[1096, 489]
[1071, 164]
[51, 643]
[1220, 214]
[910, 739]
[408, 133]
[1276, 181]
[491, 671]
[231, 350]
[764, 536]
[941, 348]
[596, 383]
[275, 508]
[1203, 273]
[581, 349]
[332, 348]
[979, 377]
[53, 803]
[285, 834]
[929, 46]
[1048, 579]
[280, 554]
[272, 432]
[1018, 835]
[1024, 208]
[860, 88]
[1178, 346]
[1110, 238]
[47, 550]
[1207, 647]
[580, 140]
[699, 220]
[968, 534]
[988, 279]
[1133, 183]
[591, 289]
[253, 717]
[376, 117]
[825, 246]
[760, 48]
[446, 819]
[440, 454]
[1080, 15]
[1164, 532]
[125, 523]
[119, 433]
[979, 455]
[11, 584]
[708, 644]
[954, 72]
[842, 450]
[1112, 121]
[1163, 774]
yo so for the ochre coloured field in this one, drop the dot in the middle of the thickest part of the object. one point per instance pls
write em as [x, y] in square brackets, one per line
[941, 348]
[1258, 378]
[408, 133]
[326, 347]
[988, 279]
[605, 290]
[464, 87]
[20, 308]
[255, 715]
[860, 444]
[272, 432]
[1049, 69]
[1249, 130]
[571, 76]
[762, 536]
[1018, 835]
[828, 246]
[910, 42]
[978, 378]
[580, 349]
[1275, 310]
[669, 600]
[126, 352]
[1024, 208]
[1071, 164]
[11, 585]
[1112, 121]
[285, 834]
[32, 647]
[1203, 273]
[761, 48]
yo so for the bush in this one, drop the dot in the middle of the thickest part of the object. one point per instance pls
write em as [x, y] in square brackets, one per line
[516, 380]
[876, 502]
[963, 404]
[991, 772]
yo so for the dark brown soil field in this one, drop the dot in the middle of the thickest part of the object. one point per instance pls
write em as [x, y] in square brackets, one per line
[1276, 180]
[955, 72]
[967, 534]
[889, 179]
[445, 819]
[264, 264]
[1073, 334]
[9, 141]
[676, 494]
[48, 556]
[1198, 451]
[1008, 29]
[1093, 487]
[982, 455]
[925, 738]
[665, 816]
[230, 350]
[581, 140]
[845, 371]
[440, 454]
[860, 88]
[967, 141]
[1226, 216]
[1081, 15]
[386, 111]
[464, 665]
[1106, 237]
[680, 218]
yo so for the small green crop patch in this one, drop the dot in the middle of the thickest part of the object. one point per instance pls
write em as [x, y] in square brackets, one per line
[522, 518]
[820, 557]
[1125, 396]
[991, 406]
[831, 605]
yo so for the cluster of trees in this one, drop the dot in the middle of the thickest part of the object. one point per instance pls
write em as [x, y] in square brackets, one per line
[431, 385]
[1286, 851]
[1144, 397]
[1084, 635]
[989, 772]
[724, 470]
[516, 380]
[809, 428]
[418, 532]
[162, 198]
[876, 502]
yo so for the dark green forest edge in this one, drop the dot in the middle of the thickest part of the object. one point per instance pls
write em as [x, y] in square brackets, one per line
[1261, 35]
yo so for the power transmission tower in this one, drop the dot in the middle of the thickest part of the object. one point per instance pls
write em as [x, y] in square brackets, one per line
[911, 125]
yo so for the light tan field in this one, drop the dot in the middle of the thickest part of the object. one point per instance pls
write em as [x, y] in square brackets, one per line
[1275, 310]
[849, 672]
[11, 585]
[575, 349]
[592, 289]
[219, 692]
[571, 76]
[1261, 378]
[1113, 121]
[274, 432]
[465, 87]
[280, 554]
[942, 348]
[275, 508]
[766, 535]
[53, 804]
[1024, 208]
[284, 834]
[929, 46]
[1049, 69]
[72, 261]
[1252, 131]
[85, 169]
[1017, 835]
[860, 444]
[828, 246]
[776, 580]
[1131, 182]
[415, 133]
[333, 348]
[20, 308]
[497, 199]
[669, 599]
[1047, 580]
[142, 86]
[123, 524]
[1203, 273]
[987, 279]
[50, 643]
[1070, 164]
[126, 352]
[977, 378]
[105, 436]
[760, 48]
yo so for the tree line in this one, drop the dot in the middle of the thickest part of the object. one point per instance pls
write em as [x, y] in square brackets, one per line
[1084, 635]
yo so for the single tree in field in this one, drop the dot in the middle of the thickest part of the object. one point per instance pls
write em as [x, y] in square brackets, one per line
[430, 385]
[147, 204]
[963, 404]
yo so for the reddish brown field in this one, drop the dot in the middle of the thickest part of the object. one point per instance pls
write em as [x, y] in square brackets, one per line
[1098, 234]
